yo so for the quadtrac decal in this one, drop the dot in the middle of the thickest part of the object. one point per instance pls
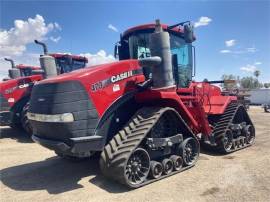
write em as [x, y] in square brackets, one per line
[113, 79]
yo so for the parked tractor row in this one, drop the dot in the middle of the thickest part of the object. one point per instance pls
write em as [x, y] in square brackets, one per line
[143, 115]
[16, 90]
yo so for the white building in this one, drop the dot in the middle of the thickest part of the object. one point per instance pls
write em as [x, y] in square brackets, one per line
[260, 96]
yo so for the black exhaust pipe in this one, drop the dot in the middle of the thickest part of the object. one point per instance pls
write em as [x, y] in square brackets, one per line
[45, 49]
[11, 61]
[47, 62]
[13, 72]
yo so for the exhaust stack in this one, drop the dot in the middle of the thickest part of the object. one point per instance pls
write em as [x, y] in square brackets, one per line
[162, 73]
[13, 72]
[47, 62]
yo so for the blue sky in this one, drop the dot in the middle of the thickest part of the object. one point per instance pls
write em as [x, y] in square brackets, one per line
[83, 27]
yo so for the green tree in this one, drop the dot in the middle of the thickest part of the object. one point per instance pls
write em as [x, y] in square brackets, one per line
[250, 82]
[266, 85]
[229, 77]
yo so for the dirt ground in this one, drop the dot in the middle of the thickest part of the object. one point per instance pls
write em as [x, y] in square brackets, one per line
[31, 172]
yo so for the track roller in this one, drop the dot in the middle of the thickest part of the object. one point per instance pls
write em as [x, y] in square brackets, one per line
[177, 162]
[156, 169]
[167, 166]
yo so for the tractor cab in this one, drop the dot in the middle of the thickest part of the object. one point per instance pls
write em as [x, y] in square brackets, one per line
[26, 70]
[53, 64]
[134, 44]
[20, 70]
[67, 63]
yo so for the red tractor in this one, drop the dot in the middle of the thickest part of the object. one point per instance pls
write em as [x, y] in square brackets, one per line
[19, 70]
[15, 92]
[143, 114]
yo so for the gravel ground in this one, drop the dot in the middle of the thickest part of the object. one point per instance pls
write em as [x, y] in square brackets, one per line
[31, 172]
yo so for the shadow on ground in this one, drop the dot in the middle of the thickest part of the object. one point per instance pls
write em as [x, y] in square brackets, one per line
[16, 134]
[56, 175]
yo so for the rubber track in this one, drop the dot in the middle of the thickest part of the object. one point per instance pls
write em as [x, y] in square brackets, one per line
[25, 121]
[223, 125]
[117, 152]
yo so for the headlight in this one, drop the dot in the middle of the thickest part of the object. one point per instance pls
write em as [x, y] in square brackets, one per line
[66, 117]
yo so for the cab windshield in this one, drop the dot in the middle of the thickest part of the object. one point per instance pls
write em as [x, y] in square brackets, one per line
[27, 71]
[139, 48]
[66, 64]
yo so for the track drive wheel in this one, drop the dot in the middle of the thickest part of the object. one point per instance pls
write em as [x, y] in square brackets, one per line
[137, 167]
[189, 150]
[25, 121]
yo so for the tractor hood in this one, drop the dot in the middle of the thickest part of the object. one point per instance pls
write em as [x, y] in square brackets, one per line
[103, 83]
[83, 95]
[96, 73]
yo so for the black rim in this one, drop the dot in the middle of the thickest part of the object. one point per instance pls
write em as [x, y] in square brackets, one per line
[137, 167]
[228, 141]
[167, 166]
[177, 162]
[190, 151]
[156, 169]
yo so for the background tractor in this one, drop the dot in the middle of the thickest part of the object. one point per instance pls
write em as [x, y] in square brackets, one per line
[20, 70]
[15, 92]
[143, 113]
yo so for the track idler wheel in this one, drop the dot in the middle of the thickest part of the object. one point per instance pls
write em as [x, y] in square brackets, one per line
[177, 162]
[137, 167]
[156, 169]
[189, 150]
[249, 133]
[167, 166]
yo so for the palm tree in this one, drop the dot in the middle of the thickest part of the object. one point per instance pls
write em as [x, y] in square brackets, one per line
[257, 73]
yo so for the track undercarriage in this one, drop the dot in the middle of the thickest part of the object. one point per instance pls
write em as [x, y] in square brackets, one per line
[153, 145]
[233, 130]
[156, 143]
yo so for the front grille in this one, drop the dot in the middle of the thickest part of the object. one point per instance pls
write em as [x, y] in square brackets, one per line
[64, 97]
[4, 106]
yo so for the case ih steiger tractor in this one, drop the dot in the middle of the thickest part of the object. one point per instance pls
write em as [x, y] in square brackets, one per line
[15, 92]
[19, 70]
[144, 114]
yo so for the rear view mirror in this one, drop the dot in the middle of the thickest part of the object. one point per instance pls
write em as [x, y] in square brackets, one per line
[116, 51]
[188, 33]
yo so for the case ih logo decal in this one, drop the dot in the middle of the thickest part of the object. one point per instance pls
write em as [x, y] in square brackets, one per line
[119, 77]
[10, 90]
